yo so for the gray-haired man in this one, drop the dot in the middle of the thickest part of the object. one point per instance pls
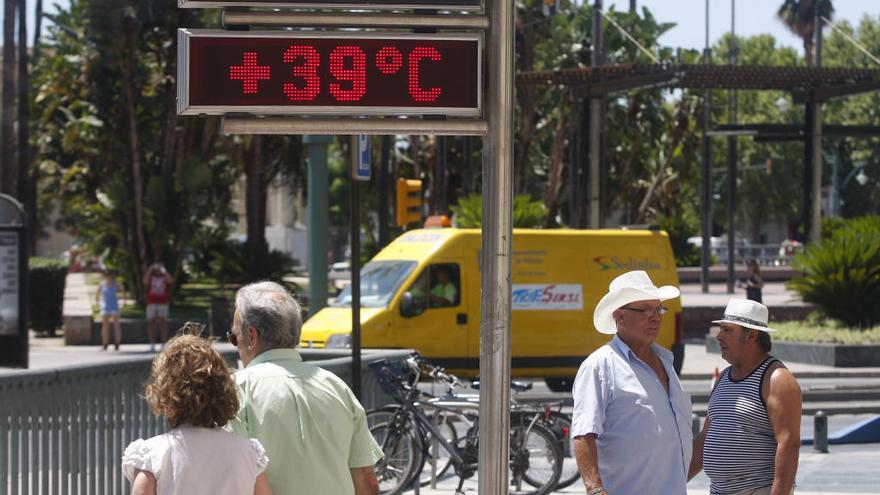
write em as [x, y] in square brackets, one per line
[312, 427]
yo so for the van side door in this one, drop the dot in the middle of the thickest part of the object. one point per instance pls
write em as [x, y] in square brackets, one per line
[432, 314]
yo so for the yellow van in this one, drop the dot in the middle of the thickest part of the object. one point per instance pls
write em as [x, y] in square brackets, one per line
[422, 292]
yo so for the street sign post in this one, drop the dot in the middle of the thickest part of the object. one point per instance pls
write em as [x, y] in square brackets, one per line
[361, 161]
[338, 4]
[13, 278]
[329, 73]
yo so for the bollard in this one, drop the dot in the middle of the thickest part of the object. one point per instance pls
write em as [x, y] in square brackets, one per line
[695, 424]
[820, 432]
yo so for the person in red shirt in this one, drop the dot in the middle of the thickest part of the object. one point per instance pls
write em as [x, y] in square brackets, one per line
[158, 283]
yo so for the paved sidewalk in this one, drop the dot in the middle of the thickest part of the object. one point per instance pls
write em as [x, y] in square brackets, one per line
[774, 294]
[847, 470]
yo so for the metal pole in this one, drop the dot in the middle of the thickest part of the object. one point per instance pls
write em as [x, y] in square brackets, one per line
[384, 183]
[706, 182]
[595, 122]
[440, 206]
[816, 220]
[318, 218]
[835, 187]
[706, 192]
[497, 239]
[820, 432]
[731, 164]
[355, 225]
[806, 218]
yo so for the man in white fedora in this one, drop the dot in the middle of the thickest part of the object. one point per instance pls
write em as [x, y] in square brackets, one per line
[632, 420]
[750, 442]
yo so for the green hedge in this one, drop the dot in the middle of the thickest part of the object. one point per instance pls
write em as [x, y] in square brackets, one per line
[46, 279]
[842, 273]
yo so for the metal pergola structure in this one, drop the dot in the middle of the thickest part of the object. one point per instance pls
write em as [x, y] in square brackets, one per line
[808, 85]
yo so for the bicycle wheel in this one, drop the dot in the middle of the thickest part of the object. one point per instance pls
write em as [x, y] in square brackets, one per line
[535, 460]
[560, 423]
[402, 461]
[448, 423]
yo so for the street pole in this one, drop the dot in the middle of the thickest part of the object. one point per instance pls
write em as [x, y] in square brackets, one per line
[440, 206]
[384, 170]
[355, 265]
[731, 163]
[596, 123]
[497, 237]
[706, 183]
[318, 218]
[816, 217]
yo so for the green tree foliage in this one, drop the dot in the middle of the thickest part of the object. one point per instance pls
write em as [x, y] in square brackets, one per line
[842, 273]
[132, 180]
[679, 228]
[129, 177]
[468, 213]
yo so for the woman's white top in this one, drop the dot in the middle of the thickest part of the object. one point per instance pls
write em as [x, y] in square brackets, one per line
[192, 460]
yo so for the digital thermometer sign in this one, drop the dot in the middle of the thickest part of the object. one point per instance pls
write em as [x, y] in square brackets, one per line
[324, 4]
[301, 73]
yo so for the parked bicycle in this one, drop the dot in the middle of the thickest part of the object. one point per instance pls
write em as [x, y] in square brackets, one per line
[410, 437]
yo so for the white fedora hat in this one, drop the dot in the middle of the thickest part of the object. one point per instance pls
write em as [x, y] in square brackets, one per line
[746, 313]
[629, 287]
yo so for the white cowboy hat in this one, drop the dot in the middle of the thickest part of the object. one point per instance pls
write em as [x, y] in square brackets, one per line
[629, 287]
[746, 313]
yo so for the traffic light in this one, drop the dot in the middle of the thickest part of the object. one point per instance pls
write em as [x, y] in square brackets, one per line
[409, 201]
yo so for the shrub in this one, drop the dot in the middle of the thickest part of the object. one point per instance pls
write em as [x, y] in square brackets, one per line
[46, 280]
[679, 229]
[228, 261]
[842, 273]
[468, 213]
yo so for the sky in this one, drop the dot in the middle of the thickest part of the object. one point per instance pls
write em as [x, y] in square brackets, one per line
[752, 17]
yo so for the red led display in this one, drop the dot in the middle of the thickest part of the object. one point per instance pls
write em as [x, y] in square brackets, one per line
[369, 74]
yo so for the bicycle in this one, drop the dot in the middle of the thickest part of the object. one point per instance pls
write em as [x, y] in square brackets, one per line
[535, 454]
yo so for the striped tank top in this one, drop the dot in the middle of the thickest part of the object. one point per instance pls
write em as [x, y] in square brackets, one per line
[740, 449]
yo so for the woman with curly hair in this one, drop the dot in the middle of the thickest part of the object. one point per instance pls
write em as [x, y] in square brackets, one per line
[191, 385]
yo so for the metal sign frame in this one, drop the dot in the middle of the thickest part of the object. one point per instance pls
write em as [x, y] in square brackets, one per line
[462, 5]
[184, 107]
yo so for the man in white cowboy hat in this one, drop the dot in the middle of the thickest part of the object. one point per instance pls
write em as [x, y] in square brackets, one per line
[750, 441]
[632, 419]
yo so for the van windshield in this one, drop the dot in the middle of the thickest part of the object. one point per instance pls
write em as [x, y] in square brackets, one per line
[379, 282]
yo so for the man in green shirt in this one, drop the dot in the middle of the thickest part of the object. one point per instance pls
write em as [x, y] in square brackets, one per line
[313, 429]
[443, 293]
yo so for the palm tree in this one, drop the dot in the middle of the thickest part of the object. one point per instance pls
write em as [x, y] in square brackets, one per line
[797, 15]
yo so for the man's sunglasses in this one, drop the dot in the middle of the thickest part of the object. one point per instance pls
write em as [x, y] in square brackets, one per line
[232, 338]
[660, 311]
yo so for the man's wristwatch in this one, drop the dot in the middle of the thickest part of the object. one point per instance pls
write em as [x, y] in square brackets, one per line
[596, 491]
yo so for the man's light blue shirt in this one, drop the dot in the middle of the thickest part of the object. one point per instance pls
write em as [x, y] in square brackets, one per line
[643, 434]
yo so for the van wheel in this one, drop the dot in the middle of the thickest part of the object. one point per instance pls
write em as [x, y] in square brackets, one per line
[559, 384]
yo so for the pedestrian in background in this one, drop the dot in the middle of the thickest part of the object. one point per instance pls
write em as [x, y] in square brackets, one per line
[753, 283]
[193, 388]
[158, 283]
[750, 442]
[314, 429]
[108, 297]
[631, 423]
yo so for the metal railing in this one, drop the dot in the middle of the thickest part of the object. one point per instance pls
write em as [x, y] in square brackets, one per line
[766, 254]
[63, 431]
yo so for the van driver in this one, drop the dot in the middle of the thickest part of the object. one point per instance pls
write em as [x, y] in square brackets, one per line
[443, 293]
